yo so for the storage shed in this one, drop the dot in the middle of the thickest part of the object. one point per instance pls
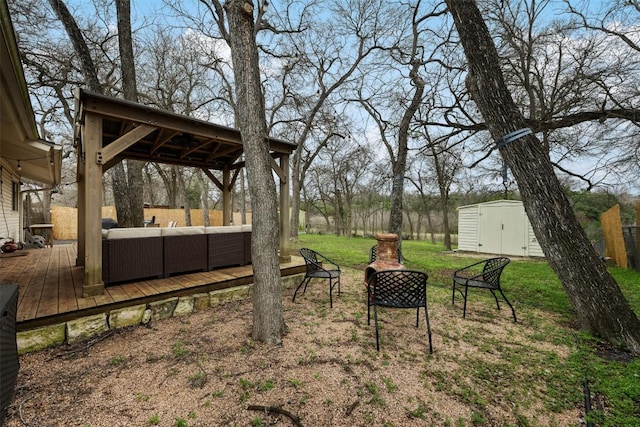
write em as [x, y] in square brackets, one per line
[497, 227]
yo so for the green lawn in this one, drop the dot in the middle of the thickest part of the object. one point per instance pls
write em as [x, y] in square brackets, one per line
[612, 375]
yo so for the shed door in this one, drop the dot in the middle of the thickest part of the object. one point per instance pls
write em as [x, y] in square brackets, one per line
[502, 230]
[490, 230]
[513, 231]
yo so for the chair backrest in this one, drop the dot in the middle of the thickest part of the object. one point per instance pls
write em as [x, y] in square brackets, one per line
[493, 269]
[310, 259]
[399, 288]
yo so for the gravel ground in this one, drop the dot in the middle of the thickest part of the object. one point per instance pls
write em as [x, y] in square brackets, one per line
[204, 369]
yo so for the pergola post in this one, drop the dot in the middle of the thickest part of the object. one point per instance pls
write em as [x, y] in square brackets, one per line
[284, 209]
[81, 201]
[91, 212]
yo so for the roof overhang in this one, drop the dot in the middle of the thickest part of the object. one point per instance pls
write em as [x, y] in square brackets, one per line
[20, 146]
[135, 131]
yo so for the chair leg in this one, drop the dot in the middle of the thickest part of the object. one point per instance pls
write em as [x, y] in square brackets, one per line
[426, 315]
[453, 293]
[417, 316]
[304, 281]
[330, 293]
[375, 319]
[331, 286]
[515, 320]
[495, 297]
[464, 310]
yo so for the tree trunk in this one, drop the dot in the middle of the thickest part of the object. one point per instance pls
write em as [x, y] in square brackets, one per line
[186, 205]
[134, 201]
[79, 45]
[400, 165]
[296, 194]
[243, 201]
[120, 190]
[599, 304]
[268, 320]
[204, 197]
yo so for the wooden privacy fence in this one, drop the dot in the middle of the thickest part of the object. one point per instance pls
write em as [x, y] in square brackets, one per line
[616, 247]
[65, 219]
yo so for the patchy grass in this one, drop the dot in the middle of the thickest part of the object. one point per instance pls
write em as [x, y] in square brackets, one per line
[485, 369]
[613, 377]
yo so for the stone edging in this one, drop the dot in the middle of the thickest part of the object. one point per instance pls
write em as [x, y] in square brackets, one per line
[81, 329]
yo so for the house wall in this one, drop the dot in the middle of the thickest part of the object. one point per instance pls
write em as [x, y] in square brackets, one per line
[10, 224]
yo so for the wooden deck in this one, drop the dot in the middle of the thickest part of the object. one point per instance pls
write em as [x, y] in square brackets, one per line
[51, 285]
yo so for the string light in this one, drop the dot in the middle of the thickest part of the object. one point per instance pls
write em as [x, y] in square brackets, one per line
[19, 167]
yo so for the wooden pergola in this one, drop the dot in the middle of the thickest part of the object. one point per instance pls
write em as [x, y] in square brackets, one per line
[109, 130]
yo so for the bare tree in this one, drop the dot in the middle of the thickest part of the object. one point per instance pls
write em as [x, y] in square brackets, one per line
[577, 89]
[321, 54]
[615, 25]
[599, 304]
[437, 164]
[268, 319]
[97, 75]
[128, 189]
[399, 103]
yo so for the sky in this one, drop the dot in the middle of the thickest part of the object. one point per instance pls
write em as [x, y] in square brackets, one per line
[142, 9]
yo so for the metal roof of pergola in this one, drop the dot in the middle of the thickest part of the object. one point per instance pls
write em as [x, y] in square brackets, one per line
[109, 130]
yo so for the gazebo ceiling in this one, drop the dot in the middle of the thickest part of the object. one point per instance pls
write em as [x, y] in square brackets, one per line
[166, 137]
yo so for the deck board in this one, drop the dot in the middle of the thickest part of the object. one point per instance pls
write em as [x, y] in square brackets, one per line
[28, 306]
[68, 296]
[132, 291]
[51, 285]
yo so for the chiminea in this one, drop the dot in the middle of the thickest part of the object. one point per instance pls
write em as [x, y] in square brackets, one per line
[387, 255]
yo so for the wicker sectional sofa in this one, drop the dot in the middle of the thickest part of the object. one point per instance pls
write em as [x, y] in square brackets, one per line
[136, 253]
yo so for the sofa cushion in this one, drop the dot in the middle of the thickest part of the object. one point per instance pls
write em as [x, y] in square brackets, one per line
[130, 233]
[224, 229]
[182, 231]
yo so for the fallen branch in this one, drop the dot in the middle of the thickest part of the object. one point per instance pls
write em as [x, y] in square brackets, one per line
[83, 348]
[352, 407]
[277, 410]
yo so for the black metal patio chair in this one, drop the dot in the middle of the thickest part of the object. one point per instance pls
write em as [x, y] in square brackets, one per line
[319, 266]
[398, 289]
[483, 275]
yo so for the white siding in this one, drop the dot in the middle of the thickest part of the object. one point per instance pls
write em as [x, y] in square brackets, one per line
[468, 228]
[10, 219]
[534, 248]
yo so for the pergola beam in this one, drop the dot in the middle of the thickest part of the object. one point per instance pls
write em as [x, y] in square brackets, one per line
[125, 141]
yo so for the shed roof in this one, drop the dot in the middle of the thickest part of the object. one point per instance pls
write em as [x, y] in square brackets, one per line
[493, 202]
